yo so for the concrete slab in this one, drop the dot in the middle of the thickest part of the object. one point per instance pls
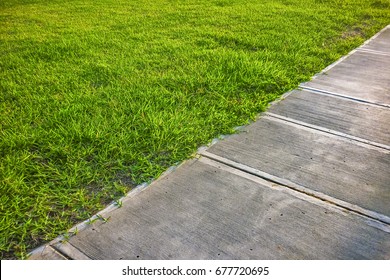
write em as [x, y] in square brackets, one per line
[47, 253]
[206, 210]
[338, 167]
[65, 248]
[358, 119]
[362, 75]
[381, 43]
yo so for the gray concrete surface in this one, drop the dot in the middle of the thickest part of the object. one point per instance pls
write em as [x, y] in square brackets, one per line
[47, 253]
[206, 210]
[380, 44]
[362, 75]
[309, 180]
[362, 120]
[329, 164]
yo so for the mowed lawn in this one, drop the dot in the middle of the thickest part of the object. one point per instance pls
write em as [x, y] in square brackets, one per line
[97, 96]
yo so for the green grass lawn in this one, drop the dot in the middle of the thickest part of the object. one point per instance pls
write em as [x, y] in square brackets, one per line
[97, 96]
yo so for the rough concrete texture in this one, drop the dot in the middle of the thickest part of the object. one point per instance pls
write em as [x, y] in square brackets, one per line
[329, 164]
[358, 119]
[381, 43]
[47, 253]
[206, 210]
[362, 75]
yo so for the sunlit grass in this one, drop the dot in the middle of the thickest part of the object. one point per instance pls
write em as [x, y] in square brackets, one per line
[99, 96]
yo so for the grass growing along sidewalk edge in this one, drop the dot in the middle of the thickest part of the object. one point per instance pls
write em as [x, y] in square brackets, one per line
[99, 96]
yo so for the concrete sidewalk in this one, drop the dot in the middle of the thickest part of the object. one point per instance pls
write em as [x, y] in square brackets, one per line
[309, 180]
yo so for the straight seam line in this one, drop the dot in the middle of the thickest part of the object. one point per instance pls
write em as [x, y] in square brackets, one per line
[367, 50]
[299, 188]
[330, 131]
[315, 90]
[324, 133]
[60, 253]
[72, 252]
[335, 95]
[41, 250]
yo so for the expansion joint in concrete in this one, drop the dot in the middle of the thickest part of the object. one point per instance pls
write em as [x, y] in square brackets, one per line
[320, 91]
[385, 220]
[330, 132]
